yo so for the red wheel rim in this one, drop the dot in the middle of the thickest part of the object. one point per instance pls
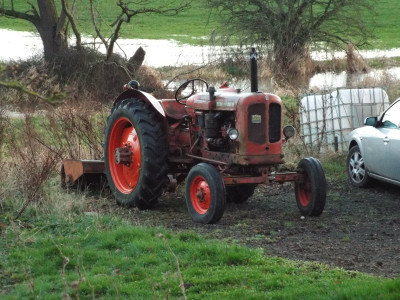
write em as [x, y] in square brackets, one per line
[123, 134]
[200, 195]
[304, 191]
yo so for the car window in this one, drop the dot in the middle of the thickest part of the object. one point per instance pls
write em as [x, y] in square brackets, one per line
[391, 119]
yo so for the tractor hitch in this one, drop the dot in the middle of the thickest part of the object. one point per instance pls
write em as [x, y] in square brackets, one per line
[123, 156]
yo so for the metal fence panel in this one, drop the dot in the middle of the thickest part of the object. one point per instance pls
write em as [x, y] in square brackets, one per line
[326, 119]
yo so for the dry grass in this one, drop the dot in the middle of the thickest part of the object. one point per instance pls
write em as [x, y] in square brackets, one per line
[33, 161]
[355, 62]
[212, 74]
[33, 148]
[385, 80]
[83, 76]
[75, 130]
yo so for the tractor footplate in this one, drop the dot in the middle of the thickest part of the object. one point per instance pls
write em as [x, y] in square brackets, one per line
[265, 178]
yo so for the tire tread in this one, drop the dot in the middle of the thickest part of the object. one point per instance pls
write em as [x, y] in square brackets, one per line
[154, 150]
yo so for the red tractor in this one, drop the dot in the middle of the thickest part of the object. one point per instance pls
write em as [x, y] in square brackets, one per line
[223, 141]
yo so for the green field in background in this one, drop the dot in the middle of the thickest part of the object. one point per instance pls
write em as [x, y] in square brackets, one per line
[196, 24]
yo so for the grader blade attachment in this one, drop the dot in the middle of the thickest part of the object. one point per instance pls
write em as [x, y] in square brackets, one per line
[84, 175]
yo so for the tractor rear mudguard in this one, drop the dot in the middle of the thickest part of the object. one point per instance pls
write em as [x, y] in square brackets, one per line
[83, 174]
[136, 94]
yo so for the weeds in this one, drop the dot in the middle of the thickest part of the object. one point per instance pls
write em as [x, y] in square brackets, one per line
[82, 75]
[33, 162]
[355, 63]
[75, 131]
[182, 283]
[33, 148]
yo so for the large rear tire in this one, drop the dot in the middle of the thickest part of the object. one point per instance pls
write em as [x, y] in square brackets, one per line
[135, 154]
[239, 193]
[311, 191]
[205, 194]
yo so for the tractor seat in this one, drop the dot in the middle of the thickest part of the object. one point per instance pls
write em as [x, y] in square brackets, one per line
[173, 109]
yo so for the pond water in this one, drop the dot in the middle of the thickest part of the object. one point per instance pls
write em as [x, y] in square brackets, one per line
[17, 45]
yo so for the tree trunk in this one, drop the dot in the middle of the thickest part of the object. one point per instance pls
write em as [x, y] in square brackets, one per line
[50, 29]
[289, 59]
[136, 61]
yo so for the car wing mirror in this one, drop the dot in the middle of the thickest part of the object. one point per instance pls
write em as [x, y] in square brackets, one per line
[371, 121]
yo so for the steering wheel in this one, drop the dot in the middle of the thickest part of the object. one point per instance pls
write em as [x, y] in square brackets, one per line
[185, 85]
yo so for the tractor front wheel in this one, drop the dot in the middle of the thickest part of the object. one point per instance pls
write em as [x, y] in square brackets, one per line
[311, 190]
[205, 194]
[135, 154]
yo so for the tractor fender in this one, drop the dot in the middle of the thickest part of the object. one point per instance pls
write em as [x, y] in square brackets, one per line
[146, 97]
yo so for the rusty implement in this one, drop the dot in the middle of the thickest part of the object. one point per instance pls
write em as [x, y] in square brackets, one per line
[83, 174]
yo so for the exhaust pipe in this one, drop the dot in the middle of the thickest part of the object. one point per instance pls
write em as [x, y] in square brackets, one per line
[253, 70]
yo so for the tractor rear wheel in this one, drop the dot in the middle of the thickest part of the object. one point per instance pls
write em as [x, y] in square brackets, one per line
[239, 193]
[135, 154]
[205, 194]
[311, 191]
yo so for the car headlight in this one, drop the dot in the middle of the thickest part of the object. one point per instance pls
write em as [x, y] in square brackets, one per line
[233, 134]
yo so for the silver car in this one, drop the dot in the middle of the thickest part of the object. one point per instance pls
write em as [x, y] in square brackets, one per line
[374, 150]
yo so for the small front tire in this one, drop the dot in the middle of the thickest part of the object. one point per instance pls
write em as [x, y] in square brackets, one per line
[205, 194]
[311, 190]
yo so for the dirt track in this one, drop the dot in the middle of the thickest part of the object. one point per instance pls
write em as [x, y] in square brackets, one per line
[358, 230]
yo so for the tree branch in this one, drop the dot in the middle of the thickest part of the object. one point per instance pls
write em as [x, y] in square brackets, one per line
[11, 13]
[53, 100]
[127, 14]
[96, 28]
[73, 24]
[62, 25]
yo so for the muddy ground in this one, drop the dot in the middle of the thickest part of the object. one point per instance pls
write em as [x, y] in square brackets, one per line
[358, 230]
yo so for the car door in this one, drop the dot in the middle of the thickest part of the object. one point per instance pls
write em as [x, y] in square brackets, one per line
[372, 139]
[390, 130]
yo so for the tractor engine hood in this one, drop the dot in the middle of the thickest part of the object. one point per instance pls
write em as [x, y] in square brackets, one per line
[226, 100]
[223, 99]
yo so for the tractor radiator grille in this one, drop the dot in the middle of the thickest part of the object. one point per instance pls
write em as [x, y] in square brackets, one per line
[274, 123]
[256, 127]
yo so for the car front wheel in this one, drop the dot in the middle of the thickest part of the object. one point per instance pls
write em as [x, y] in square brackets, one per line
[356, 168]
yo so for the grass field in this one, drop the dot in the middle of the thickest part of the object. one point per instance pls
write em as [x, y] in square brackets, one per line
[190, 26]
[94, 256]
[196, 24]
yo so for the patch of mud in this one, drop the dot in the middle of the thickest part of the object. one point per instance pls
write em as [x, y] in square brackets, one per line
[358, 230]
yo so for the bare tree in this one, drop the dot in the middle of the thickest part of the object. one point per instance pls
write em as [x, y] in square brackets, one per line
[127, 12]
[289, 27]
[52, 25]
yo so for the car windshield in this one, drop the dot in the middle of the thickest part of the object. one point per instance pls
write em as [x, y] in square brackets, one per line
[391, 119]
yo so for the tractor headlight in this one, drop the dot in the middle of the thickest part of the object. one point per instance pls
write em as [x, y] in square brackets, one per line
[288, 131]
[233, 134]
